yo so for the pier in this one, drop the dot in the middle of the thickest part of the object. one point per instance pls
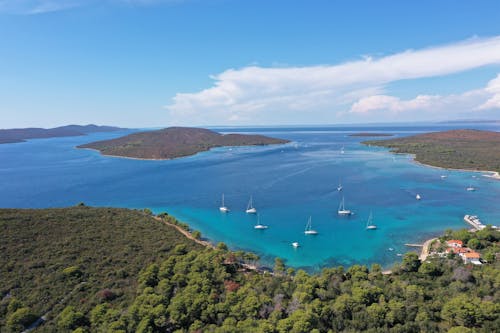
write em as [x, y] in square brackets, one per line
[414, 245]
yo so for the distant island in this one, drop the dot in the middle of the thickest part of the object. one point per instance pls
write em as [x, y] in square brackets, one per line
[23, 134]
[454, 149]
[174, 142]
[371, 134]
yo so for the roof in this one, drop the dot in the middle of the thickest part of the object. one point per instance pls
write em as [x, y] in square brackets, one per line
[454, 241]
[472, 255]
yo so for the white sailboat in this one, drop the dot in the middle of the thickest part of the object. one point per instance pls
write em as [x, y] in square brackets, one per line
[223, 207]
[342, 150]
[418, 197]
[259, 225]
[342, 210]
[471, 188]
[369, 223]
[309, 230]
[339, 188]
[250, 208]
[295, 244]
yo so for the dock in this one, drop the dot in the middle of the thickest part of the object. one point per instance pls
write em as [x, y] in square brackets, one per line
[414, 245]
[474, 221]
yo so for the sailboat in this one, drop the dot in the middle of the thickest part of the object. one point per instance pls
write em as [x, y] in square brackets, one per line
[471, 188]
[309, 230]
[259, 225]
[295, 244]
[250, 208]
[342, 150]
[223, 208]
[339, 188]
[369, 223]
[342, 210]
[418, 197]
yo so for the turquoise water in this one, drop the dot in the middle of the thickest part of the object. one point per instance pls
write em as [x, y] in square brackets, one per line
[288, 182]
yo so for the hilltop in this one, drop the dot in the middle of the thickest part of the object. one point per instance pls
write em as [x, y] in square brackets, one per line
[22, 134]
[455, 149]
[175, 142]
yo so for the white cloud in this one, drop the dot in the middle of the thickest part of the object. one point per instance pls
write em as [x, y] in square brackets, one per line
[33, 7]
[486, 98]
[494, 89]
[254, 92]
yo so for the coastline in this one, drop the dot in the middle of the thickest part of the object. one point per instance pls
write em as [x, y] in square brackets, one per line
[491, 174]
[172, 158]
[424, 253]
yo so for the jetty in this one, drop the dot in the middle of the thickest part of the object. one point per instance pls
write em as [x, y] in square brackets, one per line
[414, 245]
[474, 221]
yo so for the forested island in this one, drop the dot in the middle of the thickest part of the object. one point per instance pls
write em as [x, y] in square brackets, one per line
[454, 149]
[23, 134]
[116, 270]
[174, 142]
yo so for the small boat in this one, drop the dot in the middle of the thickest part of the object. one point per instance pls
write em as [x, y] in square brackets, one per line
[470, 188]
[295, 244]
[390, 249]
[342, 150]
[369, 223]
[250, 208]
[339, 188]
[418, 197]
[223, 208]
[342, 210]
[309, 230]
[444, 176]
[260, 225]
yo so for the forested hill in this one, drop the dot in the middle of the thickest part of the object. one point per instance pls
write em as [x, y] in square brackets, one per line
[456, 149]
[83, 264]
[175, 142]
[23, 134]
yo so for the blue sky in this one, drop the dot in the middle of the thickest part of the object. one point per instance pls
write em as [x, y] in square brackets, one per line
[142, 63]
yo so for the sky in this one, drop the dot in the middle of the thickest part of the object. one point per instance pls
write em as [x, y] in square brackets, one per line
[158, 63]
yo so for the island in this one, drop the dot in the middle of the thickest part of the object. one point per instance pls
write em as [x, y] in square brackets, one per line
[362, 134]
[454, 149]
[174, 142]
[22, 134]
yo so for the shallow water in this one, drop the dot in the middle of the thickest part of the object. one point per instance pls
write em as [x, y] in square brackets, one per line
[288, 182]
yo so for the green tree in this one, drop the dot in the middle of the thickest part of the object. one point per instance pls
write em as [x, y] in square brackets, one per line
[70, 318]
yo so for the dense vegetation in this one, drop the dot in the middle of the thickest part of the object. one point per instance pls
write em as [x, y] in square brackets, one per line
[175, 142]
[22, 134]
[457, 149]
[210, 290]
[78, 257]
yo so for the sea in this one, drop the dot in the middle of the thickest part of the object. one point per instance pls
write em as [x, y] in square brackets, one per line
[289, 183]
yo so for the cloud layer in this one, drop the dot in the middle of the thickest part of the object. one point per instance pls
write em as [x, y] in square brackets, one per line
[348, 90]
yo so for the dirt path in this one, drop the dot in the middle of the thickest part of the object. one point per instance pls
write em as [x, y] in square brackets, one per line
[425, 249]
[185, 233]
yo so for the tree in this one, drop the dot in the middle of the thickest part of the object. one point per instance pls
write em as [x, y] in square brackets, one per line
[410, 263]
[279, 266]
[20, 319]
[71, 319]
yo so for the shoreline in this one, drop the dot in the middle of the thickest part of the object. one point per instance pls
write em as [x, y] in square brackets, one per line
[172, 158]
[491, 174]
[424, 253]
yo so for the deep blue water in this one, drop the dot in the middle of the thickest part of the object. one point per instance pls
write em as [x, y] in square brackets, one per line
[288, 182]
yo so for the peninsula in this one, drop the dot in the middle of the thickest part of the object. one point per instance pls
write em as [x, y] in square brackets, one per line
[455, 149]
[174, 142]
[22, 134]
